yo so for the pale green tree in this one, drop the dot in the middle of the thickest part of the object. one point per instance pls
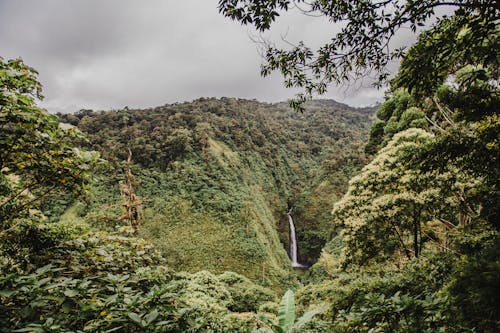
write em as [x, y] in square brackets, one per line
[393, 208]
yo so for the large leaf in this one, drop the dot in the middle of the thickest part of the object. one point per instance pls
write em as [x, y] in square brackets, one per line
[150, 317]
[135, 317]
[306, 317]
[286, 312]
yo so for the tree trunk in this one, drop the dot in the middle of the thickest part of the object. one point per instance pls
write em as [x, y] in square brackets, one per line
[415, 238]
[416, 230]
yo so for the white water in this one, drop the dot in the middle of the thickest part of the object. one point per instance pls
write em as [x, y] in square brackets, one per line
[293, 242]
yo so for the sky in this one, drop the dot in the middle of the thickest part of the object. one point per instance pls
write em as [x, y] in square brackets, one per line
[108, 54]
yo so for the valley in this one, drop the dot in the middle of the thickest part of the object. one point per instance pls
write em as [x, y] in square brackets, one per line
[216, 177]
[228, 214]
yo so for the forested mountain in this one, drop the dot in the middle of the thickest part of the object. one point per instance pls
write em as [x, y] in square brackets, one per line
[218, 177]
[174, 219]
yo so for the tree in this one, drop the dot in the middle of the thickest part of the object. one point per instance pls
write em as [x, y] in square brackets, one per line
[395, 115]
[393, 207]
[450, 77]
[37, 158]
[452, 44]
[363, 45]
[131, 202]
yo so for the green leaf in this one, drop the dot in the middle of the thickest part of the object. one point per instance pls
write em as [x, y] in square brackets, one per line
[306, 317]
[150, 317]
[286, 312]
[70, 293]
[135, 317]
[6, 293]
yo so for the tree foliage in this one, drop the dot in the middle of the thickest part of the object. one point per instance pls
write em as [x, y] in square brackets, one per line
[449, 78]
[467, 38]
[56, 277]
[362, 46]
[392, 207]
[36, 155]
[396, 114]
[460, 99]
[236, 161]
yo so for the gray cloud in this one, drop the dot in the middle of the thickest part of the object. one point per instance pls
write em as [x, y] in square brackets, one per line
[108, 54]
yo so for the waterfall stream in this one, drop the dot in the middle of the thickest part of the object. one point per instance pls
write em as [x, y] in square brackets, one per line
[293, 242]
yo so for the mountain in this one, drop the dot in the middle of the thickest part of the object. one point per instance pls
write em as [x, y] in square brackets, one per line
[218, 176]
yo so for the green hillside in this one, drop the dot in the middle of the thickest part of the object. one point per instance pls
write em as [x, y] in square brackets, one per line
[174, 218]
[218, 176]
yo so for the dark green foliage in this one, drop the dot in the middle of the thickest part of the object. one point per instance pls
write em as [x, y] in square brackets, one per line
[457, 41]
[438, 292]
[475, 284]
[469, 140]
[40, 302]
[395, 115]
[37, 158]
[235, 167]
[61, 278]
[452, 78]
[361, 46]
[384, 300]
[56, 277]
[246, 295]
[376, 136]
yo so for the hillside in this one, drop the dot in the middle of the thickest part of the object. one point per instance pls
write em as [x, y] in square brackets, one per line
[411, 246]
[179, 218]
[218, 176]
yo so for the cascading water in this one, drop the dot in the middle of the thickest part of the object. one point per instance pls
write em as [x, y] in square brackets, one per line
[293, 242]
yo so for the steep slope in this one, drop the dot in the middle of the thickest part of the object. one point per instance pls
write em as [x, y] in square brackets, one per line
[218, 176]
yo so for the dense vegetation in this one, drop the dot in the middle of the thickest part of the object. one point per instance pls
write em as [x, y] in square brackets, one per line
[215, 179]
[412, 244]
[218, 177]
[418, 241]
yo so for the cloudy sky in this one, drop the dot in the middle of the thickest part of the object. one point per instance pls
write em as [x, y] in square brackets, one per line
[105, 54]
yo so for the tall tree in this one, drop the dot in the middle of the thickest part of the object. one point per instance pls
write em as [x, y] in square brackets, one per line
[393, 207]
[37, 158]
[452, 75]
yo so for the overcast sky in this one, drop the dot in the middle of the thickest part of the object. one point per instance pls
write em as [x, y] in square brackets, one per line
[107, 54]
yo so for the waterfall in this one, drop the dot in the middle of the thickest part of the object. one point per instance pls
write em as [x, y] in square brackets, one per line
[293, 242]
